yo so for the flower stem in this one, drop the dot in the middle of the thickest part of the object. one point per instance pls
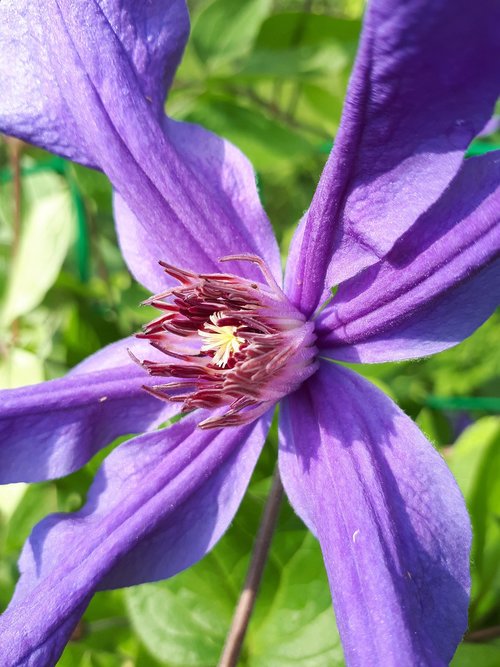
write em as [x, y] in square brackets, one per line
[483, 635]
[244, 608]
[14, 147]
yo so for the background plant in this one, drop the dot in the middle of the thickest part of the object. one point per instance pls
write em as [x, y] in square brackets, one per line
[269, 76]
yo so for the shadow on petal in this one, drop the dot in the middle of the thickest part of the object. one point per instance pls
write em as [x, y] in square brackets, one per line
[159, 503]
[391, 521]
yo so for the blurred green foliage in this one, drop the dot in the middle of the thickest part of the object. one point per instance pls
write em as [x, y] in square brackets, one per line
[271, 77]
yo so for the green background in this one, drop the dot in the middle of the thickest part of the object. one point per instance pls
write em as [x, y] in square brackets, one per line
[271, 77]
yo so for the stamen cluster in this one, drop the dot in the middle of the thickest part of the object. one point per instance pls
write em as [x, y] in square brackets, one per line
[230, 341]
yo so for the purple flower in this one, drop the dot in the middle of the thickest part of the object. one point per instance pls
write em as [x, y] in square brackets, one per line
[406, 228]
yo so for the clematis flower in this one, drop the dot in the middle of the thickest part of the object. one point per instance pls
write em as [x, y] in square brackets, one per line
[405, 228]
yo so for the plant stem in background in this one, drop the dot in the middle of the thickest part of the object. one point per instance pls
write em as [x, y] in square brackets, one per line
[14, 147]
[244, 608]
[299, 32]
[483, 635]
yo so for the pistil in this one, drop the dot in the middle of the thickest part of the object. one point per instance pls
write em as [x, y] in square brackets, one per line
[228, 342]
[220, 339]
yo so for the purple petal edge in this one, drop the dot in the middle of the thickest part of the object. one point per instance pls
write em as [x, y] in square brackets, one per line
[389, 516]
[157, 505]
[33, 105]
[437, 285]
[53, 428]
[425, 83]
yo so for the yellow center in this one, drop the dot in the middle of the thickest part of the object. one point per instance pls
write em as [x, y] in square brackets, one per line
[223, 340]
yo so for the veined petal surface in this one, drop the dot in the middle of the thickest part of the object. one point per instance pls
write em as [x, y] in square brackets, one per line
[33, 105]
[437, 285]
[389, 516]
[192, 195]
[242, 225]
[424, 84]
[157, 505]
[50, 429]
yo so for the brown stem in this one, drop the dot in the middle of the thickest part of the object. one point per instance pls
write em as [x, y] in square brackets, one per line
[483, 635]
[243, 612]
[14, 147]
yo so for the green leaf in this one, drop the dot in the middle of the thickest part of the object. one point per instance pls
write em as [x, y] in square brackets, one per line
[293, 621]
[465, 368]
[183, 621]
[46, 232]
[37, 501]
[477, 655]
[286, 30]
[226, 29]
[266, 142]
[475, 462]
[296, 64]
[474, 452]
[104, 630]
[95, 187]
[20, 367]
[78, 655]
[435, 425]
[10, 497]
[323, 107]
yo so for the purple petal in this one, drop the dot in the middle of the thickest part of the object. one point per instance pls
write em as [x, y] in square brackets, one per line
[424, 84]
[193, 194]
[437, 285]
[390, 519]
[51, 429]
[239, 225]
[158, 504]
[33, 104]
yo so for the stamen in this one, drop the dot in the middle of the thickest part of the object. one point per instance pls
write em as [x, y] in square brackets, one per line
[228, 341]
[221, 339]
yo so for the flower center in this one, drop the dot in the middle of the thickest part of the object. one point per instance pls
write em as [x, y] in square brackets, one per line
[228, 342]
[221, 339]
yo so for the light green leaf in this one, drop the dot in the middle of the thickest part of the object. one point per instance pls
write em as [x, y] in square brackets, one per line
[266, 142]
[103, 636]
[475, 462]
[323, 106]
[37, 501]
[47, 229]
[473, 364]
[294, 621]
[226, 29]
[435, 425]
[78, 655]
[477, 445]
[477, 655]
[20, 367]
[10, 497]
[286, 30]
[183, 622]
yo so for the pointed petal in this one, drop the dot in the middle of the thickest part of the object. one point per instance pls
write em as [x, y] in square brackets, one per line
[191, 194]
[237, 224]
[425, 82]
[390, 519]
[33, 104]
[438, 284]
[51, 429]
[158, 504]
